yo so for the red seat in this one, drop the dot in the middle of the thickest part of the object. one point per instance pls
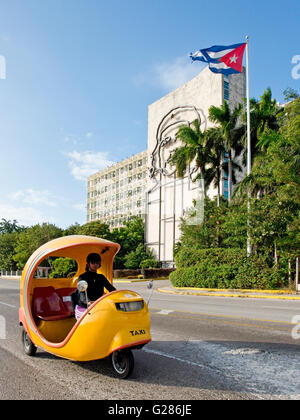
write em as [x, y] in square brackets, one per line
[48, 305]
[65, 295]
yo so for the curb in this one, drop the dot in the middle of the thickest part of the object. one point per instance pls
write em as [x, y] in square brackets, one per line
[15, 278]
[231, 295]
[275, 292]
[135, 280]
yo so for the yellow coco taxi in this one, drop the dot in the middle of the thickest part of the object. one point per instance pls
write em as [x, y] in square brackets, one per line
[113, 325]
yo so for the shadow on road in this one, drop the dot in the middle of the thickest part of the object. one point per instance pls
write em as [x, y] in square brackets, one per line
[267, 370]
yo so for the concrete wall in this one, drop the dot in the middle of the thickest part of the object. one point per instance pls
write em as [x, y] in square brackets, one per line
[168, 198]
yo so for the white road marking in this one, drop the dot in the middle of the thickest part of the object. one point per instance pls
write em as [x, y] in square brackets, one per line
[7, 304]
[165, 312]
[179, 359]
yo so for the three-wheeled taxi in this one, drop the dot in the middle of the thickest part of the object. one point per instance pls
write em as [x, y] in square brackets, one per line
[112, 326]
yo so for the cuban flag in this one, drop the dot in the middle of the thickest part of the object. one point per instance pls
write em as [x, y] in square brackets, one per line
[222, 59]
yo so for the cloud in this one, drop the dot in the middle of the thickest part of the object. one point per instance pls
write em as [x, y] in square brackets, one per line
[35, 197]
[76, 140]
[170, 75]
[84, 164]
[27, 216]
[80, 207]
[71, 139]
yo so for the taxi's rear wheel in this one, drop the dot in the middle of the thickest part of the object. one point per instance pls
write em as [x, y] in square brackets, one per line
[123, 363]
[28, 346]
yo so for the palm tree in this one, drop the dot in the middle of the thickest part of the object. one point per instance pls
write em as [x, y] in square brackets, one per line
[263, 120]
[215, 142]
[217, 164]
[194, 148]
[227, 120]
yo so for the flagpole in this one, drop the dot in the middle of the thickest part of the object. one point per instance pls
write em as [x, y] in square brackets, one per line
[248, 138]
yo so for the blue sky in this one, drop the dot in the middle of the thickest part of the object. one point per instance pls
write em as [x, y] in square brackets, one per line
[80, 74]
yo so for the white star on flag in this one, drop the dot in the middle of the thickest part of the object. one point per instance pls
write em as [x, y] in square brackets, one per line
[233, 59]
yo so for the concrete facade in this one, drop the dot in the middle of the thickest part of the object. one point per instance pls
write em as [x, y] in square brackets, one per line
[117, 193]
[168, 198]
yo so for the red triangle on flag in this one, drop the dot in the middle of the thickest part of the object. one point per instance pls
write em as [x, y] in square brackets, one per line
[234, 59]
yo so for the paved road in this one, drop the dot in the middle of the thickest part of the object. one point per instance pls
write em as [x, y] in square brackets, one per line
[202, 348]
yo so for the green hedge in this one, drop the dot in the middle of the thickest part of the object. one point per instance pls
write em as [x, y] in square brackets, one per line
[187, 257]
[149, 263]
[62, 267]
[224, 268]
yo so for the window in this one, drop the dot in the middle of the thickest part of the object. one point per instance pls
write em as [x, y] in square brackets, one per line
[226, 90]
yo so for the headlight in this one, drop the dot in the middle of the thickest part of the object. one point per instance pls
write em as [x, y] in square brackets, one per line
[130, 306]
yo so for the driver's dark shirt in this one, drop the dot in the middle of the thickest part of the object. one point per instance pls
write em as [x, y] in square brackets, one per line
[96, 283]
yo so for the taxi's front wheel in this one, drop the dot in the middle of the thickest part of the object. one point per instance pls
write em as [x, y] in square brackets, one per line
[123, 363]
[28, 346]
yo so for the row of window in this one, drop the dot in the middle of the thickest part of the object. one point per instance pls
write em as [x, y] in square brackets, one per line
[119, 196]
[114, 173]
[115, 221]
[116, 208]
[117, 185]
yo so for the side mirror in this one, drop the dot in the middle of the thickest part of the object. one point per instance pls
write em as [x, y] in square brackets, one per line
[150, 284]
[82, 286]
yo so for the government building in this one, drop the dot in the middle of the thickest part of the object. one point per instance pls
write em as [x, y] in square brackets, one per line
[117, 193]
[145, 184]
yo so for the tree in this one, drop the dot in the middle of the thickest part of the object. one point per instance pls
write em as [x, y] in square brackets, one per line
[62, 267]
[7, 251]
[72, 230]
[209, 233]
[277, 168]
[31, 239]
[218, 165]
[9, 230]
[228, 120]
[194, 148]
[215, 172]
[97, 228]
[134, 258]
[274, 185]
[290, 94]
[10, 226]
[129, 237]
[263, 119]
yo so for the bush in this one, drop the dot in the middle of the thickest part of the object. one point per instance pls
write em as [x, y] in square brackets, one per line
[62, 267]
[149, 263]
[187, 257]
[156, 273]
[256, 274]
[225, 269]
[135, 257]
